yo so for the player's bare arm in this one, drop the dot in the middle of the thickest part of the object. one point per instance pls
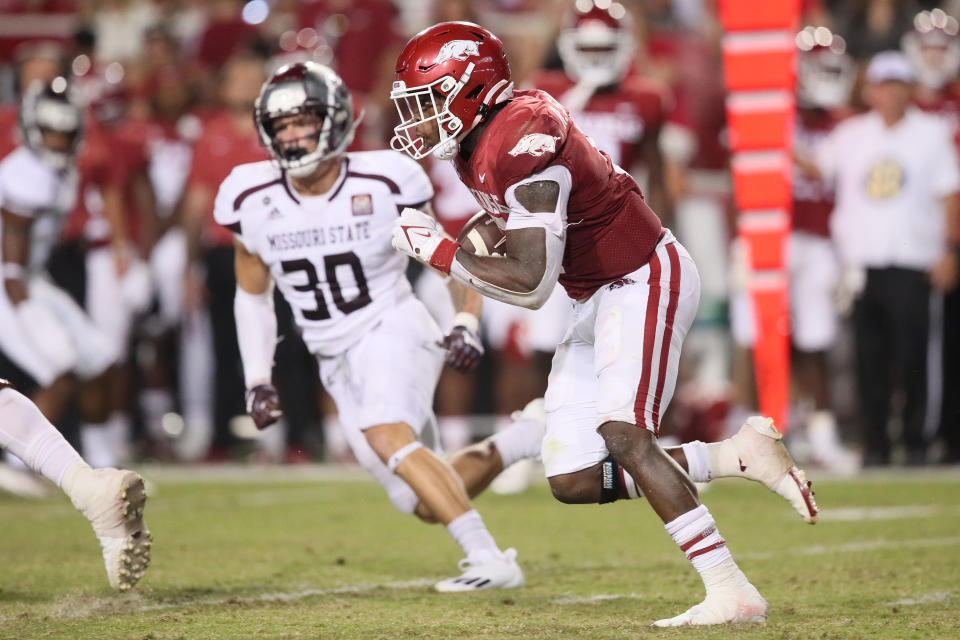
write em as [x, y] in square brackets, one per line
[256, 334]
[525, 274]
[522, 268]
[16, 252]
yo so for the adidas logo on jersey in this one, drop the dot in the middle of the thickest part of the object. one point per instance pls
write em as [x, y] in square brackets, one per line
[274, 214]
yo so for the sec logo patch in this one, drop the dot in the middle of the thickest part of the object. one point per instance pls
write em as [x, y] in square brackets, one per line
[362, 205]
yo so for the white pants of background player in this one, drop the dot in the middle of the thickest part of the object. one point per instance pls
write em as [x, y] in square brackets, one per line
[813, 281]
[618, 360]
[387, 377]
[86, 351]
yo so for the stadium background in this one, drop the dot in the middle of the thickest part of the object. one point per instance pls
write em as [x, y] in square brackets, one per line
[153, 75]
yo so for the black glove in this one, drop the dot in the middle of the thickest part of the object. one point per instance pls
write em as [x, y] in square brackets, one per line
[464, 348]
[263, 405]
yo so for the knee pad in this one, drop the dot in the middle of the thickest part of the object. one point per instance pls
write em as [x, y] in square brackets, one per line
[609, 481]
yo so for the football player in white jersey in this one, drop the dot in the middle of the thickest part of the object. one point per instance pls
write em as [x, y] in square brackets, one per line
[317, 221]
[46, 336]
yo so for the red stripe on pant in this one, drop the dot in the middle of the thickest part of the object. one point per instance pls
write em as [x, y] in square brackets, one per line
[649, 338]
[674, 294]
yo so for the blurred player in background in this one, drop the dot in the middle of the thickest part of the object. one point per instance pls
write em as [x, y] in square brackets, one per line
[47, 337]
[933, 48]
[317, 222]
[111, 224]
[825, 78]
[569, 213]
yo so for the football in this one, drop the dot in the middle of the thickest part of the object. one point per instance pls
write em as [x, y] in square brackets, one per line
[481, 236]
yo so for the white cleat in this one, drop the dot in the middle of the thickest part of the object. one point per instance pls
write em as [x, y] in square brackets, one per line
[738, 602]
[113, 500]
[485, 570]
[764, 458]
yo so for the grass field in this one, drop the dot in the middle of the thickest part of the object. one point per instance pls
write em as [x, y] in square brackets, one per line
[308, 553]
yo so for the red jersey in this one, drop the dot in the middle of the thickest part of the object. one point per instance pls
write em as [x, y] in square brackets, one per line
[611, 231]
[9, 130]
[812, 198]
[616, 119]
[219, 149]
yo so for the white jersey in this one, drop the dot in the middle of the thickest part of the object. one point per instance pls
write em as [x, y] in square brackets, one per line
[32, 189]
[330, 255]
[889, 183]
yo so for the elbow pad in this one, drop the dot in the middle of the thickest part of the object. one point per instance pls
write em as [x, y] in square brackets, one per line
[256, 334]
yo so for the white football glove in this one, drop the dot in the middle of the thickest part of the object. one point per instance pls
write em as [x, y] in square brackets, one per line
[420, 236]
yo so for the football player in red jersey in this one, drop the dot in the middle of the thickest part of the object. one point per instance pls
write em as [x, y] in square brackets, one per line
[618, 109]
[571, 215]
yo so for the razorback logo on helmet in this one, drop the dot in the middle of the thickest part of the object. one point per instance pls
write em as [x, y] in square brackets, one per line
[457, 50]
[536, 144]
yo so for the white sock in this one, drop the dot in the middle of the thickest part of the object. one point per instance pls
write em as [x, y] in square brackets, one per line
[698, 461]
[696, 534]
[97, 445]
[30, 436]
[724, 460]
[518, 440]
[471, 534]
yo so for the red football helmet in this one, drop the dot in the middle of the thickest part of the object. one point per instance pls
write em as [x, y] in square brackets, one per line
[825, 72]
[933, 48]
[596, 45]
[451, 73]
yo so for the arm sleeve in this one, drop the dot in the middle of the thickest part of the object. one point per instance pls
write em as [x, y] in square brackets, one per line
[554, 221]
[256, 334]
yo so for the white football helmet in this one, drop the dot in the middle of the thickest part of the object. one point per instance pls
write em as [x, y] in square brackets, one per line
[597, 45]
[48, 107]
[933, 48]
[825, 72]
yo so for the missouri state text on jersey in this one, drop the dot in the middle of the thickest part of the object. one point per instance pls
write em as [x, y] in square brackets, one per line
[610, 229]
[330, 255]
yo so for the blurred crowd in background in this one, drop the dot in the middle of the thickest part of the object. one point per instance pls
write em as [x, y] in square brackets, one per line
[168, 87]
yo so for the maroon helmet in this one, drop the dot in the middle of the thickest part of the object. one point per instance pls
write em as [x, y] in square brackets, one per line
[456, 69]
[305, 88]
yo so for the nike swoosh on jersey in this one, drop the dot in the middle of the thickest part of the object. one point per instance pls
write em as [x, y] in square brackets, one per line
[482, 176]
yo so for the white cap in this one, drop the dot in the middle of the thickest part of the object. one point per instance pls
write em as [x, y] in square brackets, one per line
[890, 65]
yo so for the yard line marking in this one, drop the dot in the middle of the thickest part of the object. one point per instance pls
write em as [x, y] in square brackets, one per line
[927, 598]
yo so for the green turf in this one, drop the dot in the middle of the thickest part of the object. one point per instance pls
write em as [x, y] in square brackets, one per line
[311, 558]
